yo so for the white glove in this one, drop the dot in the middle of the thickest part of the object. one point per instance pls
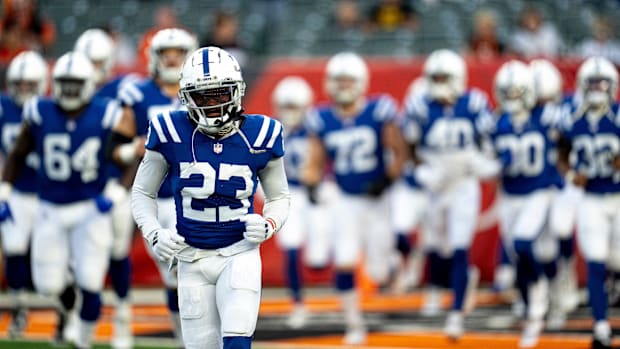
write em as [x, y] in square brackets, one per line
[430, 177]
[257, 228]
[166, 243]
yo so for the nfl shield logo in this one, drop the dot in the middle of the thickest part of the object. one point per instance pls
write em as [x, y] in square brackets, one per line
[217, 148]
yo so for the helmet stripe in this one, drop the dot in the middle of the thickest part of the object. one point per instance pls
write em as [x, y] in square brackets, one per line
[205, 62]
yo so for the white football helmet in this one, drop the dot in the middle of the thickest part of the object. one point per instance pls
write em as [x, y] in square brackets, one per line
[547, 81]
[73, 81]
[342, 66]
[169, 39]
[211, 88]
[514, 87]
[26, 76]
[291, 99]
[597, 81]
[99, 48]
[446, 74]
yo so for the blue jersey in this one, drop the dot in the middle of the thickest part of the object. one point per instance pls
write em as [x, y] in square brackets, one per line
[10, 126]
[355, 144]
[213, 181]
[72, 150]
[437, 127]
[530, 147]
[111, 88]
[297, 149]
[594, 146]
[147, 101]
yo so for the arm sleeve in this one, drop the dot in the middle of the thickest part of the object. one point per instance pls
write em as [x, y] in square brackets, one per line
[151, 173]
[275, 187]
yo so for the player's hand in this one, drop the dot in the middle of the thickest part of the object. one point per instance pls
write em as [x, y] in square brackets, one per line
[257, 228]
[377, 187]
[104, 205]
[430, 177]
[5, 211]
[580, 180]
[166, 243]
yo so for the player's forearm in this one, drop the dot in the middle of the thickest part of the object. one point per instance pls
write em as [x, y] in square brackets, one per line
[313, 172]
[17, 158]
[277, 196]
[148, 180]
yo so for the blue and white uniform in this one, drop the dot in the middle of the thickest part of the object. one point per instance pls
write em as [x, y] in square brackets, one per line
[595, 144]
[147, 100]
[354, 145]
[16, 233]
[71, 176]
[302, 214]
[447, 142]
[213, 183]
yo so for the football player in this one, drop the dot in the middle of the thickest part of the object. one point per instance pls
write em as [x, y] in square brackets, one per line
[588, 157]
[354, 132]
[292, 99]
[523, 139]
[215, 156]
[143, 101]
[448, 123]
[99, 48]
[26, 78]
[68, 133]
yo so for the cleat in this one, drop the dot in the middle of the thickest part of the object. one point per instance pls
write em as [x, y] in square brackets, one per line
[453, 328]
[19, 317]
[531, 333]
[298, 317]
[355, 335]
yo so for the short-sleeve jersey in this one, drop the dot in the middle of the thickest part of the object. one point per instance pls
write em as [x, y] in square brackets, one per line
[297, 149]
[595, 144]
[214, 181]
[531, 148]
[10, 126]
[72, 150]
[147, 101]
[354, 144]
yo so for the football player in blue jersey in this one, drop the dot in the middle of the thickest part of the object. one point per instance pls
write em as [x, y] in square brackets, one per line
[143, 101]
[215, 157]
[355, 133]
[588, 156]
[449, 121]
[99, 48]
[26, 78]
[555, 247]
[68, 133]
[292, 99]
[525, 142]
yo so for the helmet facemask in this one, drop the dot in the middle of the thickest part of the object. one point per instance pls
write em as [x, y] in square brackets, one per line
[68, 93]
[441, 87]
[598, 91]
[23, 90]
[170, 63]
[212, 108]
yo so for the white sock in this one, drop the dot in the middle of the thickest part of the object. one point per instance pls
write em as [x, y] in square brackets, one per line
[86, 333]
[351, 308]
